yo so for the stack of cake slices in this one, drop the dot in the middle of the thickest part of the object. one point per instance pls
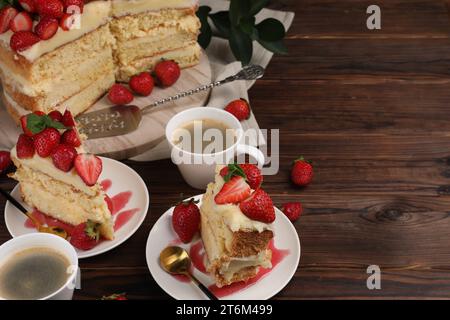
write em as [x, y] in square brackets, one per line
[57, 176]
[236, 245]
[116, 39]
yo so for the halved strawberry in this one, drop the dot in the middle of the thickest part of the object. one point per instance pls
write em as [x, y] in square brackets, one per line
[68, 119]
[24, 147]
[233, 191]
[23, 40]
[28, 5]
[23, 122]
[6, 15]
[67, 21]
[46, 28]
[46, 141]
[21, 22]
[89, 167]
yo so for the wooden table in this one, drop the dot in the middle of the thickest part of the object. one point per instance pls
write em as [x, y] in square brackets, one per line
[372, 110]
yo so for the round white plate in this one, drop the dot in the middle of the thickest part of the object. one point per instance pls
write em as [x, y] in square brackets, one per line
[123, 179]
[286, 238]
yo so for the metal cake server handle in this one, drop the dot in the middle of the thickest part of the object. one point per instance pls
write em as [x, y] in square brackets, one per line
[123, 119]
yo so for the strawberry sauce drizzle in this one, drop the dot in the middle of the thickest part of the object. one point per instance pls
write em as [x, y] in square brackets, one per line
[197, 254]
[115, 204]
[277, 256]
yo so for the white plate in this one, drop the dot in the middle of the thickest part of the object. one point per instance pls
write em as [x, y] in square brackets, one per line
[285, 238]
[123, 179]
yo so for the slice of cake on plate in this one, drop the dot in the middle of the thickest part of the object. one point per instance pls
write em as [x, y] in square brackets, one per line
[56, 176]
[148, 31]
[236, 217]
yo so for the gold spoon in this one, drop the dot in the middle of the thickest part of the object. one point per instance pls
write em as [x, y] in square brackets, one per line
[52, 230]
[176, 260]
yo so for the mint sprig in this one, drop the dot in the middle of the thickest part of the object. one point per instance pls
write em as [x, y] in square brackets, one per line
[36, 123]
[234, 170]
[239, 26]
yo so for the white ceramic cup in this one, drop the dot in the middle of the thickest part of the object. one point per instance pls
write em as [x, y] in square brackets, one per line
[200, 170]
[50, 241]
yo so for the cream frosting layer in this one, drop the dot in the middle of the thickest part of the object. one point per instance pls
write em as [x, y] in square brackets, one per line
[127, 7]
[46, 166]
[231, 213]
[94, 15]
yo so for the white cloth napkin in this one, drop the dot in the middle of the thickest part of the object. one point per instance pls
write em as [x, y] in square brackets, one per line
[223, 64]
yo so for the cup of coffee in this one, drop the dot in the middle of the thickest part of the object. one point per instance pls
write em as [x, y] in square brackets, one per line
[37, 266]
[200, 138]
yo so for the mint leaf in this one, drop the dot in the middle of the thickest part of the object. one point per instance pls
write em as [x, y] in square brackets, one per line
[234, 170]
[35, 123]
[50, 123]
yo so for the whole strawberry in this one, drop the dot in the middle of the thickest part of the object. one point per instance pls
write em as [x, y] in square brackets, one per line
[239, 108]
[67, 119]
[46, 141]
[167, 73]
[71, 138]
[63, 157]
[251, 173]
[5, 160]
[119, 94]
[259, 207]
[85, 236]
[186, 220]
[292, 210]
[23, 40]
[302, 172]
[56, 115]
[25, 147]
[142, 84]
[50, 8]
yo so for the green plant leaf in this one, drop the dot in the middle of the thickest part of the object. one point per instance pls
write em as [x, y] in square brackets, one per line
[275, 46]
[221, 20]
[242, 45]
[257, 6]
[239, 9]
[248, 26]
[204, 39]
[271, 30]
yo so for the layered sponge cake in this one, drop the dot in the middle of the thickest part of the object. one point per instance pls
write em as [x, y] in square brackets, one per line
[148, 31]
[73, 69]
[58, 177]
[236, 226]
[113, 41]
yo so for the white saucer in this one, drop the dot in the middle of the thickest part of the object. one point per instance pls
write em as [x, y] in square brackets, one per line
[286, 238]
[123, 179]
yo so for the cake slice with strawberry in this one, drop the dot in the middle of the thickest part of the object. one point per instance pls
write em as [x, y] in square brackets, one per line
[56, 175]
[236, 218]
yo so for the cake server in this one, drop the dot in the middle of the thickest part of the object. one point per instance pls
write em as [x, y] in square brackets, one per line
[53, 230]
[122, 119]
